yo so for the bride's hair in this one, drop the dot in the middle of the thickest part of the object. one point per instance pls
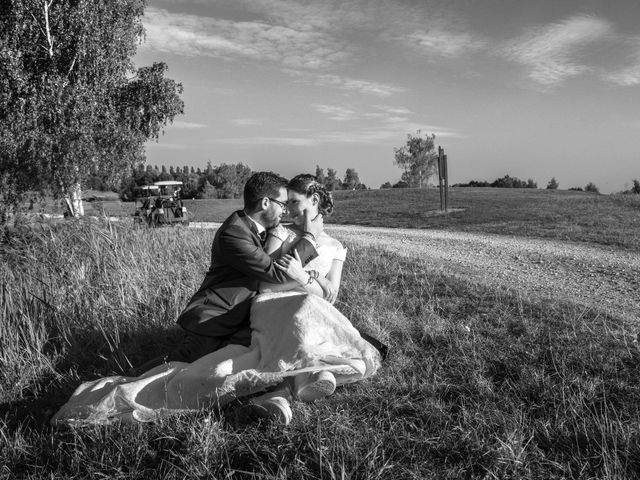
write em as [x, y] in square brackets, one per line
[307, 184]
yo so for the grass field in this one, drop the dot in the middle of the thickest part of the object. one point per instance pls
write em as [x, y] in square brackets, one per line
[481, 383]
[559, 214]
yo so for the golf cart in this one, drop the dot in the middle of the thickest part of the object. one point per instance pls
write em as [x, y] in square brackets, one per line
[160, 204]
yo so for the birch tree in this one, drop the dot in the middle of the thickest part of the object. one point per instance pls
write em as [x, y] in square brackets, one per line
[417, 158]
[72, 104]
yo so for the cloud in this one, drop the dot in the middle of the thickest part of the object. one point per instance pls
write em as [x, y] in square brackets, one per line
[336, 112]
[379, 126]
[191, 35]
[166, 146]
[348, 84]
[249, 141]
[187, 125]
[628, 76]
[444, 43]
[246, 121]
[549, 52]
[393, 110]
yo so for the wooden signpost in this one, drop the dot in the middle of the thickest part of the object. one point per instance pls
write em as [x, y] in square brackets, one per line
[443, 180]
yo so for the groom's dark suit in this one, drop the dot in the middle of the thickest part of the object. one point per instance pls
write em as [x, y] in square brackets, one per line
[220, 308]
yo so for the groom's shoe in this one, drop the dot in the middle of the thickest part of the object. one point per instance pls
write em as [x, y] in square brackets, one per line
[310, 388]
[274, 406]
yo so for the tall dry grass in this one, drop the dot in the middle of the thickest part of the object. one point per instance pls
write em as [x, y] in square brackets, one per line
[480, 383]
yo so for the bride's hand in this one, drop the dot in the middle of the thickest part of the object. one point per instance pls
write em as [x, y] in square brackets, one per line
[330, 292]
[292, 266]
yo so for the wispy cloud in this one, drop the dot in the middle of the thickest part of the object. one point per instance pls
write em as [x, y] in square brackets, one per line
[246, 122]
[166, 146]
[550, 52]
[376, 124]
[347, 84]
[191, 35]
[445, 43]
[383, 135]
[336, 112]
[628, 76]
[187, 125]
[250, 141]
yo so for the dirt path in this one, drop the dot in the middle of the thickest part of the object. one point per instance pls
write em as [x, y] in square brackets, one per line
[599, 277]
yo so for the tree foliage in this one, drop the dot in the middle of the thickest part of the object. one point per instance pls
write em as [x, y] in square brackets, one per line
[224, 181]
[331, 181]
[320, 178]
[504, 182]
[553, 184]
[417, 158]
[351, 179]
[591, 187]
[72, 105]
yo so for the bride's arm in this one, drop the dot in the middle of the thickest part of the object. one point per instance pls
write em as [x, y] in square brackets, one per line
[325, 287]
[330, 284]
[278, 242]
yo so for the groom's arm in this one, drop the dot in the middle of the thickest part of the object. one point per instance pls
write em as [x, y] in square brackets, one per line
[238, 249]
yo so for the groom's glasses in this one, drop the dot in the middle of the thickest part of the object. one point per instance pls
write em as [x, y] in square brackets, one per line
[282, 204]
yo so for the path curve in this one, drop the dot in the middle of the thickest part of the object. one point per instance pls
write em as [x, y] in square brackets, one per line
[604, 278]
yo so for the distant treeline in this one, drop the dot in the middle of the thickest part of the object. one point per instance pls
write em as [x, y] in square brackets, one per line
[505, 182]
[214, 181]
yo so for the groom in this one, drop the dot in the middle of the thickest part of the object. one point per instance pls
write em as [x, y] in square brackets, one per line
[218, 313]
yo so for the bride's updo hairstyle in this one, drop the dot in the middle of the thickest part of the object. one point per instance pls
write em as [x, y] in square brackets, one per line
[306, 184]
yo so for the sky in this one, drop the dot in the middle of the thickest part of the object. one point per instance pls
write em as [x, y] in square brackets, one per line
[534, 89]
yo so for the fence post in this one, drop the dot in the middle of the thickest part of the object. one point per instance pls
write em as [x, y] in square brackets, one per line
[446, 183]
[440, 176]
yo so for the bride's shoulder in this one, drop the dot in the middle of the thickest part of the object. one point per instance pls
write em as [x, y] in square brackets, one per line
[335, 245]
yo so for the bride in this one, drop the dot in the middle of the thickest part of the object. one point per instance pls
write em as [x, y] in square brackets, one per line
[301, 346]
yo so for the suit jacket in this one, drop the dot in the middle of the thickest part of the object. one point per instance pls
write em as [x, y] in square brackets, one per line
[238, 263]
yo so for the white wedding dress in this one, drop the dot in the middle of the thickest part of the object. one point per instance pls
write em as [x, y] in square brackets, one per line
[293, 333]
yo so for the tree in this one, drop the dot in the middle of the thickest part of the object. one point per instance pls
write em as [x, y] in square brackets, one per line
[553, 184]
[531, 183]
[417, 158]
[320, 175]
[332, 182]
[351, 179]
[386, 185]
[72, 104]
[636, 187]
[591, 187]
[209, 191]
[230, 179]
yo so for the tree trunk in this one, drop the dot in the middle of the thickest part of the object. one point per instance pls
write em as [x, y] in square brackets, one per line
[73, 199]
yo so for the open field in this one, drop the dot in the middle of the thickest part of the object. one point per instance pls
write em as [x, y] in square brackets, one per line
[558, 214]
[485, 379]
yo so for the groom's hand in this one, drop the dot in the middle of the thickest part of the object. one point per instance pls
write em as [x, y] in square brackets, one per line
[313, 226]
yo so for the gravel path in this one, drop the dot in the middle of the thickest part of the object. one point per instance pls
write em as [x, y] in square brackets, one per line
[598, 277]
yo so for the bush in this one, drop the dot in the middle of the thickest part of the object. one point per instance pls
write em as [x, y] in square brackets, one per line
[553, 184]
[591, 187]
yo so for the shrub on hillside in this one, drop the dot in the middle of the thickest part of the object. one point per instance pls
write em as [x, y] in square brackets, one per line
[505, 182]
[591, 187]
[635, 189]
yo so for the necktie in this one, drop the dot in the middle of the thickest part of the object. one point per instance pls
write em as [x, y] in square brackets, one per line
[263, 237]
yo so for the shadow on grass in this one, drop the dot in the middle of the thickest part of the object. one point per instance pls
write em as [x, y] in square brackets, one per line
[89, 356]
